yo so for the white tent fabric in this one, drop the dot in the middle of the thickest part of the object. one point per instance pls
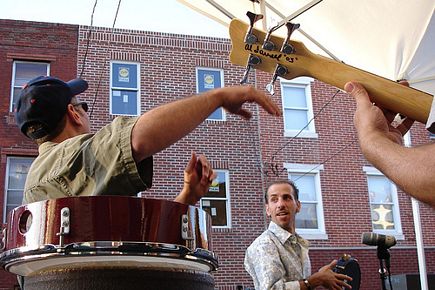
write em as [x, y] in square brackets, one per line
[391, 38]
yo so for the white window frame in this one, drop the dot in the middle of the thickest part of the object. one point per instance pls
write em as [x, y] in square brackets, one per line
[14, 69]
[221, 72]
[7, 173]
[311, 169]
[304, 82]
[397, 232]
[137, 89]
[227, 199]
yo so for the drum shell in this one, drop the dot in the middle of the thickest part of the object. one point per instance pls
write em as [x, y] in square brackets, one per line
[115, 279]
[107, 218]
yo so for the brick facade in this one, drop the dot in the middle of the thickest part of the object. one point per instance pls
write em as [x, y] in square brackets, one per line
[167, 73]
[35, 41]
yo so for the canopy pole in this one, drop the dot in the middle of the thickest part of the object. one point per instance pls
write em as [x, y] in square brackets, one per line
[419, 242]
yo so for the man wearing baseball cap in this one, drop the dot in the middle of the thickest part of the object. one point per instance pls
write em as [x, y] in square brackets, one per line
[117, 159]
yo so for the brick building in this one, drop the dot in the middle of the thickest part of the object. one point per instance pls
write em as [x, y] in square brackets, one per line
[130, 72]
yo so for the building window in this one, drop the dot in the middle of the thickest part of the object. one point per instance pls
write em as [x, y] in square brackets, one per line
[124, 89]
[384, 205]
[22, 73]
[208, 79]
[217, 202]
[297, 108]
[309, 221]
[16, 174]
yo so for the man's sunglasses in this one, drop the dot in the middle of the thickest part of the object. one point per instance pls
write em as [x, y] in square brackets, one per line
[84, 105]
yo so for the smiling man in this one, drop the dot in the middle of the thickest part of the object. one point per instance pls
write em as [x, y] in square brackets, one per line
[278, 258]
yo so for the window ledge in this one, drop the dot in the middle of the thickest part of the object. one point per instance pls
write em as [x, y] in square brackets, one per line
[303, 134]
[24, 56]
[219, 229]
[398, 235]
[313, 236]
[216, 121]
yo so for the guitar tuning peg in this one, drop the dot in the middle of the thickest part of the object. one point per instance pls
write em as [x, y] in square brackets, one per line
[286, 46]
[250, 38]
[252, 60]
[280, 71]
[267, 43]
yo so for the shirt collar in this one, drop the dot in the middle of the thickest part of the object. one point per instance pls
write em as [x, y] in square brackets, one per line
[44, 147]
[284, 235]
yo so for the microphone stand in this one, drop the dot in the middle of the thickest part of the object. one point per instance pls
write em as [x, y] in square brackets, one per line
[383, 254]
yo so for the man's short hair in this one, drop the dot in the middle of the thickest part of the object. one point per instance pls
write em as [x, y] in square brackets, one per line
[43, 103]
[281, 181]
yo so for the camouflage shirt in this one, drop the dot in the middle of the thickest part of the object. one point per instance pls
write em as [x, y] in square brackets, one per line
[277, 259]
[89, 164]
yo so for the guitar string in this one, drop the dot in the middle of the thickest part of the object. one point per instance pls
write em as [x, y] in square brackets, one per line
[309, 122]
[274, 168]
[273, 165]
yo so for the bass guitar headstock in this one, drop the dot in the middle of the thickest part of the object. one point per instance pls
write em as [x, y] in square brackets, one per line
[256, 49]
[281, 57]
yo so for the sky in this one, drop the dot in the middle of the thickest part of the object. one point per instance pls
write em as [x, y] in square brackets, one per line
[149, 15]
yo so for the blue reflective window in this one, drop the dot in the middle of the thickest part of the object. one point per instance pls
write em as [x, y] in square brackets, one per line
[208, 79]
[125, 98]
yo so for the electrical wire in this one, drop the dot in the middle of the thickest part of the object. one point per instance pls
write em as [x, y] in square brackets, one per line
[102, 69]
[88, 40]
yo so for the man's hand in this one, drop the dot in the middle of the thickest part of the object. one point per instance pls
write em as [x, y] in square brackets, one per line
[370, 119]
[234, 97]
[327, 278]
[198, 176]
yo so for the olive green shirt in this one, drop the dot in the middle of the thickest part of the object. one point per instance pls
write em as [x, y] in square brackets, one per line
[89, 164]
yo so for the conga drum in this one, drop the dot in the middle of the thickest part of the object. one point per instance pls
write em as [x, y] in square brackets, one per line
[109, 242]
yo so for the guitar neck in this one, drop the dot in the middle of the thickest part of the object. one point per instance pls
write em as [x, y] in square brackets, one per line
[409, 102]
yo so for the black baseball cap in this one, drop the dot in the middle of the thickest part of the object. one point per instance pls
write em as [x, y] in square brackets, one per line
[44, 100]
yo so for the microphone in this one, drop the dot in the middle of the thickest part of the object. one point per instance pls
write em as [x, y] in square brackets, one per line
[380, 240]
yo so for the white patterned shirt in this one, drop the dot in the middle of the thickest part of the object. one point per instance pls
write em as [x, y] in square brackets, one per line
[273, 262]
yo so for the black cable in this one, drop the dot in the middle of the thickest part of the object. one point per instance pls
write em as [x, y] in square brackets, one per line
[101, 70]
[389, 274]
[88, 40]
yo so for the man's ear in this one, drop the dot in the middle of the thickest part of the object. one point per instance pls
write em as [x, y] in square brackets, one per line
[298, 203]
[73, 115]
[268, 210]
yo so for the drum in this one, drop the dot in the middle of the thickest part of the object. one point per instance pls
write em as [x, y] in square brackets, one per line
[109, 242]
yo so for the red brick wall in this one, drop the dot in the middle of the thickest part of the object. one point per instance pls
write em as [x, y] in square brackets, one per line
[168, 65]
[28, 41]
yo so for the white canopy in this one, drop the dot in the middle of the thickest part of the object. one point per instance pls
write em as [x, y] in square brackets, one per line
[391, 38]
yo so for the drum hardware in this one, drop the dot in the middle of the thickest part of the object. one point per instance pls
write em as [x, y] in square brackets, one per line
[109, 232]
[104, 253]
[64, 225]
[186, 230]
[3, 238]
